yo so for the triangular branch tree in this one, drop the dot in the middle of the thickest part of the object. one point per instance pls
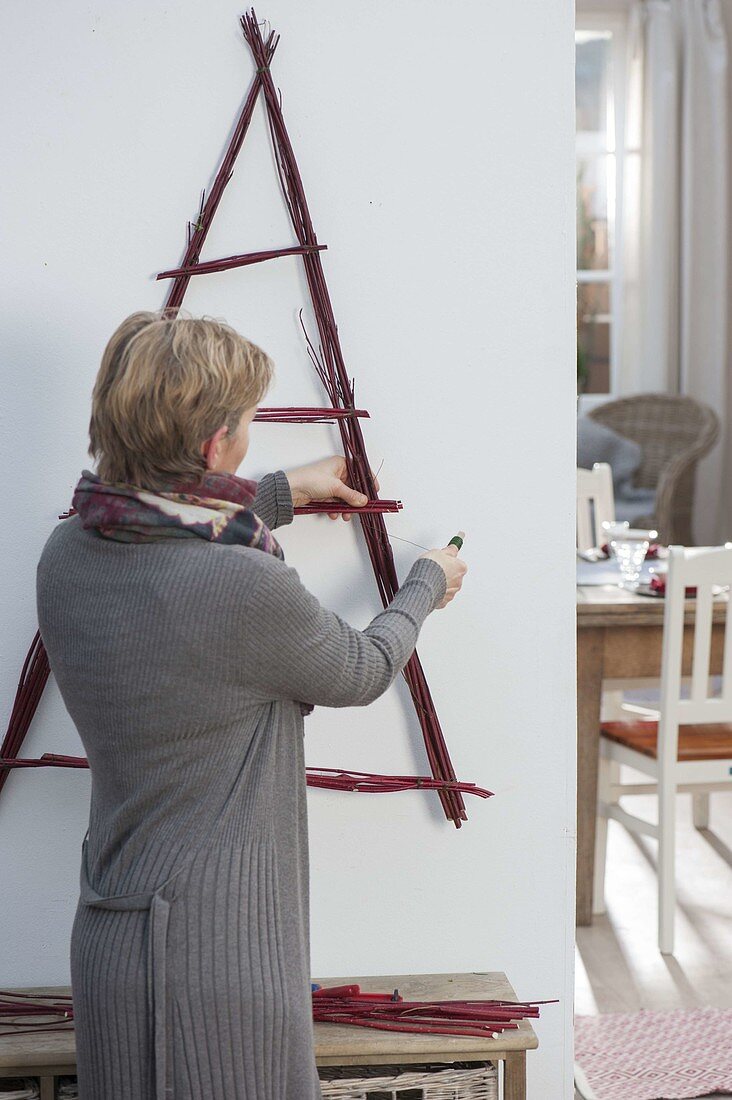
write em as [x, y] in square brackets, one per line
[329, 363]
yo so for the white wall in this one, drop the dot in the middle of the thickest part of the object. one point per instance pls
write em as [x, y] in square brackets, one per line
[436, 145]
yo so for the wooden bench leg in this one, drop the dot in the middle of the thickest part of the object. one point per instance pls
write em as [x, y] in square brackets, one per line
[514, 1075]
[48, 1088]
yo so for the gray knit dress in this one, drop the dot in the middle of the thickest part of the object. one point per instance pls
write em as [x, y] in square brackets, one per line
[187, 667]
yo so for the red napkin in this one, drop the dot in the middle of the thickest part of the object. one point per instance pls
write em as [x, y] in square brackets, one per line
[658, 585]
[652, 551]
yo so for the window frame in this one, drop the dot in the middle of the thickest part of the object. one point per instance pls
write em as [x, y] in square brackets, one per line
[616, 21]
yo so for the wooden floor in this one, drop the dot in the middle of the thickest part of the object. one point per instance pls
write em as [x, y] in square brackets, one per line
[619, 968]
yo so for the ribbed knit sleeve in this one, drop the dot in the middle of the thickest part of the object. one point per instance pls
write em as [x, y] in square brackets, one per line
[305, 653]
[273, 502]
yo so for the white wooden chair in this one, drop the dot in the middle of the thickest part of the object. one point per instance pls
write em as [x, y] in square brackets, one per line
[688, 748]
[595, 504]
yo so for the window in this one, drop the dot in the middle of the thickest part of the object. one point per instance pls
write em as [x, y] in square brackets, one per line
[599, 85]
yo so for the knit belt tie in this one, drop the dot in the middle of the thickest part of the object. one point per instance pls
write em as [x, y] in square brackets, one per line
[157, 937]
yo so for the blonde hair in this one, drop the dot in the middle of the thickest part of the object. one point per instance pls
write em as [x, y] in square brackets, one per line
[166, 384]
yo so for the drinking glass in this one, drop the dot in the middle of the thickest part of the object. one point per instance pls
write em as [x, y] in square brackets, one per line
[629, 546]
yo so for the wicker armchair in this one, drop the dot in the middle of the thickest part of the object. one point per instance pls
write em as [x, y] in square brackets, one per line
[674, 432]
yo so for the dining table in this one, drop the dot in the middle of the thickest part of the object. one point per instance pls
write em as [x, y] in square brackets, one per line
[619, 637]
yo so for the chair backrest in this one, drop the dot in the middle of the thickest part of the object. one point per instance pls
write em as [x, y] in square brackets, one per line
[595, 504]
[701, 568]
[665, 425]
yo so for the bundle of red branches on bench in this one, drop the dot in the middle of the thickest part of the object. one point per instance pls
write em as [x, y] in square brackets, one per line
[346, 1004]
[31, 1013]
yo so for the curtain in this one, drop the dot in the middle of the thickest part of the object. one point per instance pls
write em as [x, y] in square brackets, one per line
[650, 237]
[674, 217]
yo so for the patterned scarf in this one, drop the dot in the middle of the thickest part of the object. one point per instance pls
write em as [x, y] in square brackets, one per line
[216, 507]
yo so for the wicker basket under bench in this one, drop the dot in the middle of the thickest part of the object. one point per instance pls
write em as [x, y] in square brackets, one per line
[460, 1081]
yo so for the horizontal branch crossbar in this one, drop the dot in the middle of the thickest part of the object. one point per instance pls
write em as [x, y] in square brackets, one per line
[324, 507]
[333, 779]
[243, 260]
[374, 507]
[305, 414]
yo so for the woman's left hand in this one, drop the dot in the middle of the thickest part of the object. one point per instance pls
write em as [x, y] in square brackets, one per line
[325, 480]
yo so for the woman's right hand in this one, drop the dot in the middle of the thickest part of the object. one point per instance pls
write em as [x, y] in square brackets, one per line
[453, 567]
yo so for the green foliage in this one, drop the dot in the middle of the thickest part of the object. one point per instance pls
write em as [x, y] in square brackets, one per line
[583, 372]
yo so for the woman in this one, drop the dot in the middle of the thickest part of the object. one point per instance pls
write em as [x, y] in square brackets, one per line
[187, 653]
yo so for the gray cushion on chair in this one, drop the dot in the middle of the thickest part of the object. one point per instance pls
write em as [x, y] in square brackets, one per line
[598, 443]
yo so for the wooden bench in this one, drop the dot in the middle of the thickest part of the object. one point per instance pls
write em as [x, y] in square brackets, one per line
[54, 1054]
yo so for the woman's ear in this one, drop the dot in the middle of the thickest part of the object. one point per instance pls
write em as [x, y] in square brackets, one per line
[211, 449]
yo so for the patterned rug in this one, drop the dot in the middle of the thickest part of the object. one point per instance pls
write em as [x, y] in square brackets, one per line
[654, 1055]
